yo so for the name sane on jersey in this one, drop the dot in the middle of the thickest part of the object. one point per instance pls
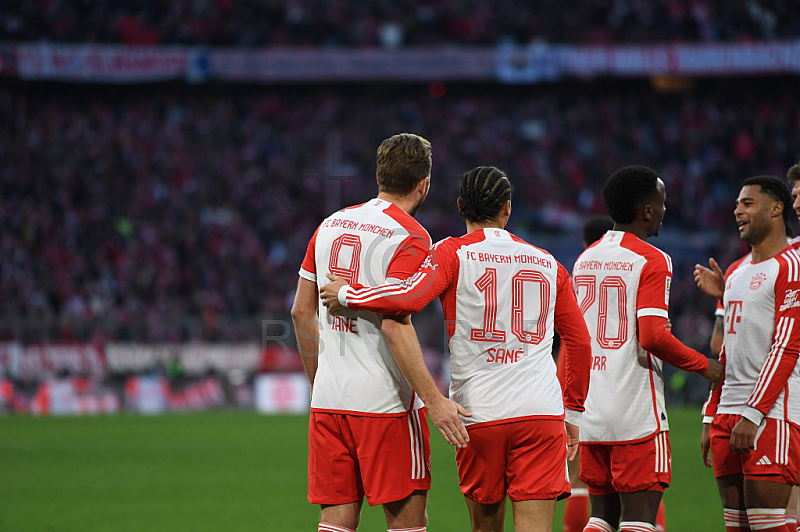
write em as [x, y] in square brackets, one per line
[509, 259]
[501, 355]
[608, 265]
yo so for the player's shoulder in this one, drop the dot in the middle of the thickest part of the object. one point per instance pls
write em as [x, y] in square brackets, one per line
[789, 263]
[524, 244]
[341, 213]
[403, 220]
[738, 263]
[449, 243]
[649, 252]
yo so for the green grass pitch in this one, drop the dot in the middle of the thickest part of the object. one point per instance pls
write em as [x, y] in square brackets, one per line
[233, 471]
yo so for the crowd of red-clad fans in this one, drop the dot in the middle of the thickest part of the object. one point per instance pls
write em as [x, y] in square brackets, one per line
[178, 214]
[392, 23]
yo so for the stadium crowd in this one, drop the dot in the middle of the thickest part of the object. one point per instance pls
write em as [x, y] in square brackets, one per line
[386, 23]
[174, 214]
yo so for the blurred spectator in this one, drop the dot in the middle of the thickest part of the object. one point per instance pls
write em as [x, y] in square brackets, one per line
[326, 23]
[169, 214]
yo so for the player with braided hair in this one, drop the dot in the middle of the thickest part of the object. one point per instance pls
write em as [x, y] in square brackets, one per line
[502, 299]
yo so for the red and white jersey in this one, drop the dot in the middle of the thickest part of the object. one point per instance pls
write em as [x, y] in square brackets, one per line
[618, 281]
[502, 299]
[794, 243]
[369, 243]
[762, 340]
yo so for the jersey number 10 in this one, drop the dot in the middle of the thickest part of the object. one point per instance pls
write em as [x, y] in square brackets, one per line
[487, 283]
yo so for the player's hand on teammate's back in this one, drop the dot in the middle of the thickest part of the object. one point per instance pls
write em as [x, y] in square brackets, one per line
[743, 436]
[705, 444]
[445, 414]
[573, 437]
[329, 294]
[710, 281]
[714, 372]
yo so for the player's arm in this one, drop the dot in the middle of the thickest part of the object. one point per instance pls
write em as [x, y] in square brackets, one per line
[718, 335]
[652, 314]
[407, 297]
[444, 414]
[571, 326]
[709, 411]
[306, 326]
[775, 372]
[304, 312]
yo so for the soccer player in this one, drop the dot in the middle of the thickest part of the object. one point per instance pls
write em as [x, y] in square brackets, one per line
[741, 472]
[368, 433]
[576, 507]
[623, 286]
[502, 299]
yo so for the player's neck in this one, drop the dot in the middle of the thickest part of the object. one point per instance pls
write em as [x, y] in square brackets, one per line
[405, 203]
[489, 224]
[635, 229]
[773, 243]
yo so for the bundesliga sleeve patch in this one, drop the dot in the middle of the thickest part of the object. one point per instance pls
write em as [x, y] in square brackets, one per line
[666, 290]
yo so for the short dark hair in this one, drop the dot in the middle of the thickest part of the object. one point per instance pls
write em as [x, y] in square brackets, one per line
[595, 227]
[403, 161]
[483, 193]
[628, 190]
[793, 175]
[776, 189]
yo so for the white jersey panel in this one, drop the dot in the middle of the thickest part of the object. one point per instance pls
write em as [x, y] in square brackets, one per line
[750, 303]
[357, 371]
[626, 388]
[495, 375]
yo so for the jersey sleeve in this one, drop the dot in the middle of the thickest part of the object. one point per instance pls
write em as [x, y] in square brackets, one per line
[652, 304]
[409, 256]
[652, 298]
[308, 269]
[570, 325]
[434, 276]
[783, 354]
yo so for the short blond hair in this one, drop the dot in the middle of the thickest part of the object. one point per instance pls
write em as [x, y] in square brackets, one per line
[403, 161]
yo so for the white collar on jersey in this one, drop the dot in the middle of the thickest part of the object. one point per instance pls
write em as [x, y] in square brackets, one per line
[493, 232]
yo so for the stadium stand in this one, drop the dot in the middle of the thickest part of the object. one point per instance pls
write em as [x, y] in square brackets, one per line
[250, 23]
[173, 214]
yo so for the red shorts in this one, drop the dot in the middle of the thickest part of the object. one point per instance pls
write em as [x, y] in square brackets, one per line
[628, 467]
[525, 459]
[384, 458]
[775, 456]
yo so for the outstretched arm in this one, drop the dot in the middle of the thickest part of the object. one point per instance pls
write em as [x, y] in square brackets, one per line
[444, 413]
[655, 338]
[435, 274]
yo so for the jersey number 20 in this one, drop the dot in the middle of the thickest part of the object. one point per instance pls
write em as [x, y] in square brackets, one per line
[607, 285]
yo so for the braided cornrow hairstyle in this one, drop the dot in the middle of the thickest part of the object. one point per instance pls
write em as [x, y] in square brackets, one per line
[483, 193]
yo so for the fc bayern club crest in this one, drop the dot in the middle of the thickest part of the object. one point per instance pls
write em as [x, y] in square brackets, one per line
[757, 279]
